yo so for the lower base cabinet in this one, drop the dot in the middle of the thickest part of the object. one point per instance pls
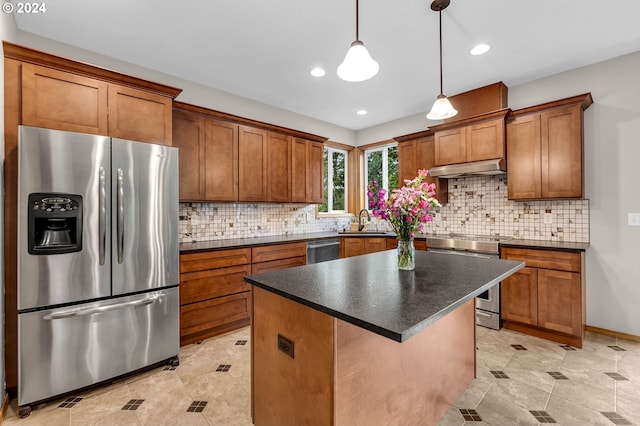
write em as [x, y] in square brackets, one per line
[547, 297]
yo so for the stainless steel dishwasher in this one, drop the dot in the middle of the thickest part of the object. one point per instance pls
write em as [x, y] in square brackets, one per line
[323, 250]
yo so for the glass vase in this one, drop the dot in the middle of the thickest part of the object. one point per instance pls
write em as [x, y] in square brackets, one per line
[406, 255]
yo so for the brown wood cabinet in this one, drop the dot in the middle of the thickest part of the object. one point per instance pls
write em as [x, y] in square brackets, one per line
[279, 168]
[220, 160]
[355, 246]
[468, 140]
[50, 91]
[417, 152]
[278, 256]
[392, 243]
[252, 164]
[547, 297]
[545, 150]
[188, 136]
[214, 298]
[307, 176]
[56, 99]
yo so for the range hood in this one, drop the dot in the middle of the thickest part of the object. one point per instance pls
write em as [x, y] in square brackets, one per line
[475, 168]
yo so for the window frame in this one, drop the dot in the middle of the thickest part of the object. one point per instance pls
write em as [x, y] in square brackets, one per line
[384, 147]
[331, 148]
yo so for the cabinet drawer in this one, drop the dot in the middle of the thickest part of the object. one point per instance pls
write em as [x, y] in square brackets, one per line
[275, 265]
[392, 243]
[214, 259]
[212, 317]
[547, 259]
[202, 285]
[278, 251]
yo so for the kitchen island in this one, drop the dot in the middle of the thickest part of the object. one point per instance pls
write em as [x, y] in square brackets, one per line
[357, 342]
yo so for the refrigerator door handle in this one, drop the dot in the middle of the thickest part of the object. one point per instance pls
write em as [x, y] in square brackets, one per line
[102, 221]
[120, 215]
[101, 309]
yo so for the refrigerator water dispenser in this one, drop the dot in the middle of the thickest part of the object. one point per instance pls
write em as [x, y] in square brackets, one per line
[54, 223]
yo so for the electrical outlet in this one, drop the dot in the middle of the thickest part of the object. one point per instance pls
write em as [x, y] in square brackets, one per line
[634, 219]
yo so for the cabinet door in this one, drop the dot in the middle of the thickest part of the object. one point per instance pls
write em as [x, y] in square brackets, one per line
[279, 168]
[523, 158]
[373, 245]
[63, 101]
[425, 154]
[450, 147]
[315, 170]
[520, 297]
[138, 115]
[221, 160]
[560, 301]
[485, 141]
[562, 160]
[407, 161]
[299, 170]
[351, 246]
[202, 285]
[188, 137]
[252, 164]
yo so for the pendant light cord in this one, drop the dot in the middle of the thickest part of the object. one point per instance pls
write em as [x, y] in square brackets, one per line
[357, 19]
[440, 19]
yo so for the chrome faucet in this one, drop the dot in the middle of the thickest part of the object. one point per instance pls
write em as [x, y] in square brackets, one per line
[360, 224]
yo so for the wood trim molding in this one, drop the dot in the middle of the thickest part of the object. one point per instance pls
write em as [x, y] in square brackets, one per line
[584, 100]
[377, 144]
[616, 334]
[339, 145]
[501, 113]
[416, 135]
[26, 54]
[206, 112]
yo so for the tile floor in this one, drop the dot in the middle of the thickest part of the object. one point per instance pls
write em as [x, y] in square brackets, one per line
[521, 380]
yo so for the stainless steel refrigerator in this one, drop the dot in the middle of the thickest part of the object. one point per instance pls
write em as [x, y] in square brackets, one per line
[98, 261]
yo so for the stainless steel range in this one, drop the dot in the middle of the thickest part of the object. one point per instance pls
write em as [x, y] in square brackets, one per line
[487, 303]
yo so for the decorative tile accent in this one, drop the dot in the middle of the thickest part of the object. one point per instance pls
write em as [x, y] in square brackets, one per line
[615, 418]
[568, 347]
[133, 404]
[616, 376]
[241, 342]
[223, 368]
[470, 415]
[199, 342]
[499, 374]
[617, 348]
[196, 406]
[519, 347]
[557, 375]
[70, 402]
[542, 416]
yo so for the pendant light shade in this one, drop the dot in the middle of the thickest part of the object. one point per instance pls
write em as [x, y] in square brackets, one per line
[358, 65]
[442, 107]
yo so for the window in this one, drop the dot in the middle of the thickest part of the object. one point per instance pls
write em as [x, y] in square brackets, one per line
[335, 181]
[381, 165]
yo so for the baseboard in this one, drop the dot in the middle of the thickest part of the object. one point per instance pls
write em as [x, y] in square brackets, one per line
[612, 333]
[5, 405]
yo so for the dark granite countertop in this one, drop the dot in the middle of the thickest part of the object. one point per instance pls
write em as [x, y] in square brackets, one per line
[370, 292]
[545, 245]
[252, 242]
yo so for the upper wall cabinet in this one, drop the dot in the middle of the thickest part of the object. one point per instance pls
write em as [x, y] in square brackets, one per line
[228, 158]
[545, 150]
[417, 152]
[61, 94]
[481, 137]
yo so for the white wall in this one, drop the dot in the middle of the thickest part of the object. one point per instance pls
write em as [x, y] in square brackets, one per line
[612, 174]
[197, 94]
[9, 32]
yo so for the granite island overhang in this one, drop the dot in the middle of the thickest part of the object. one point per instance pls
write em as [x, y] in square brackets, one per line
[355, 341]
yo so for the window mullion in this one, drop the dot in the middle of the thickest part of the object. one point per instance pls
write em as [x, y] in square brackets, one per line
[330, 181]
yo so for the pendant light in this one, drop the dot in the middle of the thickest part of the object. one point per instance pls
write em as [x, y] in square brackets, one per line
[358, 65]
[441, 108]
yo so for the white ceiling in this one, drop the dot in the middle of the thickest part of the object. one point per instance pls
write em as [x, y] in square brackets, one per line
[264, 49]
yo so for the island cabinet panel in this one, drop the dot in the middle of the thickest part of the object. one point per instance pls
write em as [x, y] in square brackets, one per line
[61, 100]
[547, 297]
[221, 160]
[188, 137]
[252, 164]
[214, 298]
[279, 168]
[545, 150]
[139, 116]
[296, 389]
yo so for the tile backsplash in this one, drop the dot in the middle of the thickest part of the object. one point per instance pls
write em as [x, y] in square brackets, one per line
[477, 205]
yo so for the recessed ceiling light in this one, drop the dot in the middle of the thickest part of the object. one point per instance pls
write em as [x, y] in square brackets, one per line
[480, 49]
[362, 112]
[318, 72]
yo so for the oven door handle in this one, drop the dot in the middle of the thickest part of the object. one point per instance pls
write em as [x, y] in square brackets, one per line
[483, 314]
